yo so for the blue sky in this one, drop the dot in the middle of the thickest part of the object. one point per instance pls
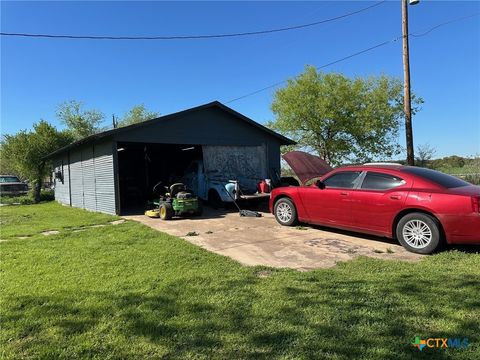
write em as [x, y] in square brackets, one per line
[167, 76]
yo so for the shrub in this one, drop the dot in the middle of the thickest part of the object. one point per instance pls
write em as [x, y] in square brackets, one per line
[22, 200]
[45, 195]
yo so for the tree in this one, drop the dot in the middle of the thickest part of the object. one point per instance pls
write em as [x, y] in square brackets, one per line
[136, 115]
[79, 121]
[6, 166]
[425, 154]
[449, 162]
[339, 118]
[25, 151]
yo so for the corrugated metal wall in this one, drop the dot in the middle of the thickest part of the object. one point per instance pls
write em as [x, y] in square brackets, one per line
[88, 174]
[104, 178]
[76, 178]
[91, 178]
[62, 186]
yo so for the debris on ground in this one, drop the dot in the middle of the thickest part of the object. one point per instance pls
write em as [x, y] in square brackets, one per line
[192, 233]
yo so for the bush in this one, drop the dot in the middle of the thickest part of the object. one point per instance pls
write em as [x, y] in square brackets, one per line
[22, 200]
[472, 178]
[45, 196]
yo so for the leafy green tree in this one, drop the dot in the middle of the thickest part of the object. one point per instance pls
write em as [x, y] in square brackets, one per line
[25, 152]
[136, 115]
[339, 118]
[79, 121]
[6, 166]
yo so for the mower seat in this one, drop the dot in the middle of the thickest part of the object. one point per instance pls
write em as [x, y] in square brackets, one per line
[176, 188]
[184, 195]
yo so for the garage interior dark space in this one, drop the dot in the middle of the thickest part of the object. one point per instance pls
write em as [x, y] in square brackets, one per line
[142, 165]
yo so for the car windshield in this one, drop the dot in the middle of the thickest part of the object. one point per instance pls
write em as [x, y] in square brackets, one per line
[447, 181]
[7, 179]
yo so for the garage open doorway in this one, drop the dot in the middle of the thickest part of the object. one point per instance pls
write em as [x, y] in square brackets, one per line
[142, 165]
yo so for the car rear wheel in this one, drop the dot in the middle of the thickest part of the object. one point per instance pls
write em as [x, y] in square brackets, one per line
[419, 233]
[285, 212]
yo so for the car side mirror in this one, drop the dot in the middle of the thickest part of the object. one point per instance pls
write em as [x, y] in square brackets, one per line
[320, 184]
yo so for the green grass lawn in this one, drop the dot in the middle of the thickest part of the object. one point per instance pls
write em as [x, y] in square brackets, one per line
[126, 291]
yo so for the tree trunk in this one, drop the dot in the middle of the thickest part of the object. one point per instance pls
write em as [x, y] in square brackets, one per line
[37, 189]
[38, 183]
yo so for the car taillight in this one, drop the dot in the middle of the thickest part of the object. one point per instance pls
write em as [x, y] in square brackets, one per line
[476, 204]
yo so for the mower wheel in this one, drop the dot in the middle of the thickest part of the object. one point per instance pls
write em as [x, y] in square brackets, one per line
[166, 211]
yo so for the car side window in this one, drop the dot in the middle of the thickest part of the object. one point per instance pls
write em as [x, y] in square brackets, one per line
[380, 181]
[343, 180]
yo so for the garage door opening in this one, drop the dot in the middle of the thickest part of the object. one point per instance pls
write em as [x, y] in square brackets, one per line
[141, 166]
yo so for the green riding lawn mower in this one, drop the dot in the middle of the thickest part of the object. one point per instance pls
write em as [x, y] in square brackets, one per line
[174, 200]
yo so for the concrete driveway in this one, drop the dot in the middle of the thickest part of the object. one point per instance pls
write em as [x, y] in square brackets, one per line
[262, 241]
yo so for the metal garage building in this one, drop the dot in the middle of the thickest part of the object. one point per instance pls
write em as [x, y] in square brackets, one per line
[113, 171]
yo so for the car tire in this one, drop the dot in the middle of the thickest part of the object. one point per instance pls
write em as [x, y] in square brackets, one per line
[166, 211]
[285, 212]
[419, 233]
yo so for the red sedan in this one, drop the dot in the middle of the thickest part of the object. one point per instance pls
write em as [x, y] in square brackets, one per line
[420, 207]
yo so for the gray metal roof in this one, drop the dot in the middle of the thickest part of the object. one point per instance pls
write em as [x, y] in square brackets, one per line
[282, 139]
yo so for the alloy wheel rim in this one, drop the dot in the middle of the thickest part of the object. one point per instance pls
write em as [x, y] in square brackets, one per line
[284, 212]
[417, 234]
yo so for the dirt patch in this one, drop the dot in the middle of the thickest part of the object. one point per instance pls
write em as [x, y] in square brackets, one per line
[50, 232]
[117, 222]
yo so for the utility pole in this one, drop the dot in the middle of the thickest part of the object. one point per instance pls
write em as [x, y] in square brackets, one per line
[114, 122]
[407, 101]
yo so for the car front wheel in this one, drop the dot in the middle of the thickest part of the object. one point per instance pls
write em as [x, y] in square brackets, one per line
[285, 212]
[419, 233]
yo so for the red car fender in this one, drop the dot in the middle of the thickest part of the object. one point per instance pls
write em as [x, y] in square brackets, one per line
[292, 193]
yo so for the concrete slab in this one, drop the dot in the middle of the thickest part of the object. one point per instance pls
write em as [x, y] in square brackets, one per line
[262, 241]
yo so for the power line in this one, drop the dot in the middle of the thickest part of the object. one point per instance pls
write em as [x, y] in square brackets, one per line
[318, 68]
[443, 24]
[192, 37]
[358, 53]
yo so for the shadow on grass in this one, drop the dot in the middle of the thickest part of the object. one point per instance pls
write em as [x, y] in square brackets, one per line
[468, 249]
[310, 317]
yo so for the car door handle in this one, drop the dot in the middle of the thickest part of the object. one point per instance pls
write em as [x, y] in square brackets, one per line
[395, 197]
[343, 193]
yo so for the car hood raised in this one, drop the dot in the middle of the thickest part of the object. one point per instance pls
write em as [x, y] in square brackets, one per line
[306, 166]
